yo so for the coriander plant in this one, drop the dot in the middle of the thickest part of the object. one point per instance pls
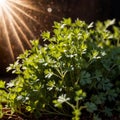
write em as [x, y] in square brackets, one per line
[77, 71]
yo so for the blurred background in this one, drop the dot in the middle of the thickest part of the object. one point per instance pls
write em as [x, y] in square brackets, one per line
[30, 23]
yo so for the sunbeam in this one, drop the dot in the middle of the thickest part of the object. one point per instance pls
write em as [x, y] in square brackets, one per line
[22, 21]
[13, 23]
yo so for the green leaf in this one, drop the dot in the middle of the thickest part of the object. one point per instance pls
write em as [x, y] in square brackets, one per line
[98, 99]
[109, 23]
[111, 94]
[67, 21]
[2, 84]
[57, 104]
[91, 107]
[46, 35]
[80, 95]
[105, 84]
[85, 78]
[51, 85]
[108, 111]
[48, 73]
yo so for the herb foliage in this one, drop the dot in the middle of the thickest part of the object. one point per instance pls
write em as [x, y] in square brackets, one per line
[77, 71]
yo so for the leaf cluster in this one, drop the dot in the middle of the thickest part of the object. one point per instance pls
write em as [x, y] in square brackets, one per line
[79, 69]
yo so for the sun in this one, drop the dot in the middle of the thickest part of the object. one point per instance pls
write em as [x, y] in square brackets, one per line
[2, 3]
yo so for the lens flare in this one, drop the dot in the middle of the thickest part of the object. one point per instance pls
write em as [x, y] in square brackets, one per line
[14, 28]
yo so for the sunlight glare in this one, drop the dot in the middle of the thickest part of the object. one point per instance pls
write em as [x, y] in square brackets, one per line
[2, 3]
[14, 26]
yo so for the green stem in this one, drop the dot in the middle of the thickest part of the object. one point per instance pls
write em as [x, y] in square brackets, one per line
[57, 75]
[5, 89]
[72, 106]
[82, 107]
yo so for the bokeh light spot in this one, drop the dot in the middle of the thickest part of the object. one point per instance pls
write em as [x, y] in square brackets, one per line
[49, 10]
